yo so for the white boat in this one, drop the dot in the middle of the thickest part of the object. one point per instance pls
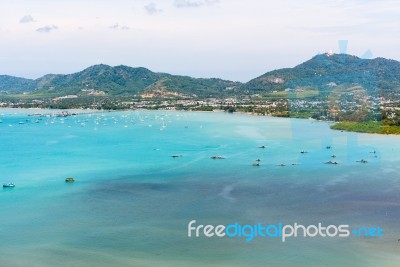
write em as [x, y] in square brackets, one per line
[9, 185]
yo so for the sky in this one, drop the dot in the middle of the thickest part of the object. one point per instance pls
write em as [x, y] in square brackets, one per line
[231, 39]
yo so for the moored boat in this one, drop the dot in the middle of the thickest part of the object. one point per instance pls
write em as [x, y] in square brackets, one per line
[8, 185]
[217, 157]
[69, 180]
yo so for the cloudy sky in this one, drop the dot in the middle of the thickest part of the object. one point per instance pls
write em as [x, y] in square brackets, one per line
[230, 39]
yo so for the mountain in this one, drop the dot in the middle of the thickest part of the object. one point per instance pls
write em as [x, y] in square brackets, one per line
[124, 80]
[325, 71]
[112, 80]
[10, 83]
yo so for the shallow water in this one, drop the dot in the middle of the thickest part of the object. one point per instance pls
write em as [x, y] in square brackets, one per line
[131, 202]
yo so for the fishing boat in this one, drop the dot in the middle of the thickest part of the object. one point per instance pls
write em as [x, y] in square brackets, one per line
[331, 162]
[8, 185]
[69, 180]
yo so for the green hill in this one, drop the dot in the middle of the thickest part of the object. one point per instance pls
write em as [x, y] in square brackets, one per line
[112, 80]
[124, 80]
[325, 71]
[15, 84]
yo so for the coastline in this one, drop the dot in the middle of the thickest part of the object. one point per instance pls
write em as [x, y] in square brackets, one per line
[85, 111]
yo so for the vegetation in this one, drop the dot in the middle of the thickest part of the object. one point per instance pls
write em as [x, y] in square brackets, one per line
[366, 127]
[229, 109]
[15, 84]
[203, 108]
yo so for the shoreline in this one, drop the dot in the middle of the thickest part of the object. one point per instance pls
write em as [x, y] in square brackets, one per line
[76, 112]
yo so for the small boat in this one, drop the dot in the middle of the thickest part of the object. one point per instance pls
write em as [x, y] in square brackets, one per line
[8, 185]
[256, 164]
[262, 147]
[303, 152]
[362, 161]
[176, 156]
[217, 157]
[328, 147]
[333, 156]
[69, 180]
[331, 162]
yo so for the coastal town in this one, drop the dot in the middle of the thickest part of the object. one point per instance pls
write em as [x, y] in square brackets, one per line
[348, 106]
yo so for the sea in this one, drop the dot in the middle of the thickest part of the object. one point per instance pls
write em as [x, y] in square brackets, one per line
[142, 176]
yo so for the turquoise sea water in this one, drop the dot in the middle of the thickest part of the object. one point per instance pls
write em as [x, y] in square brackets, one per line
[131, 202]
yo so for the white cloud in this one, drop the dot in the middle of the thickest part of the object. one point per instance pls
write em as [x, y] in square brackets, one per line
[152, 9]
[191, 3]
[116, 26]
[47, 28]
[26, 19]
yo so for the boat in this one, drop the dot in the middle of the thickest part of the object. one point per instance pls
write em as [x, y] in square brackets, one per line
[262, 147]
[8, 185]
[331, 162]
[176, 156]
[69, 180]
[362, 161]
[217, 157]
[256, 163]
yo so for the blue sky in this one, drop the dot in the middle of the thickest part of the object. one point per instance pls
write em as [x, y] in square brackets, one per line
[230, 39]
